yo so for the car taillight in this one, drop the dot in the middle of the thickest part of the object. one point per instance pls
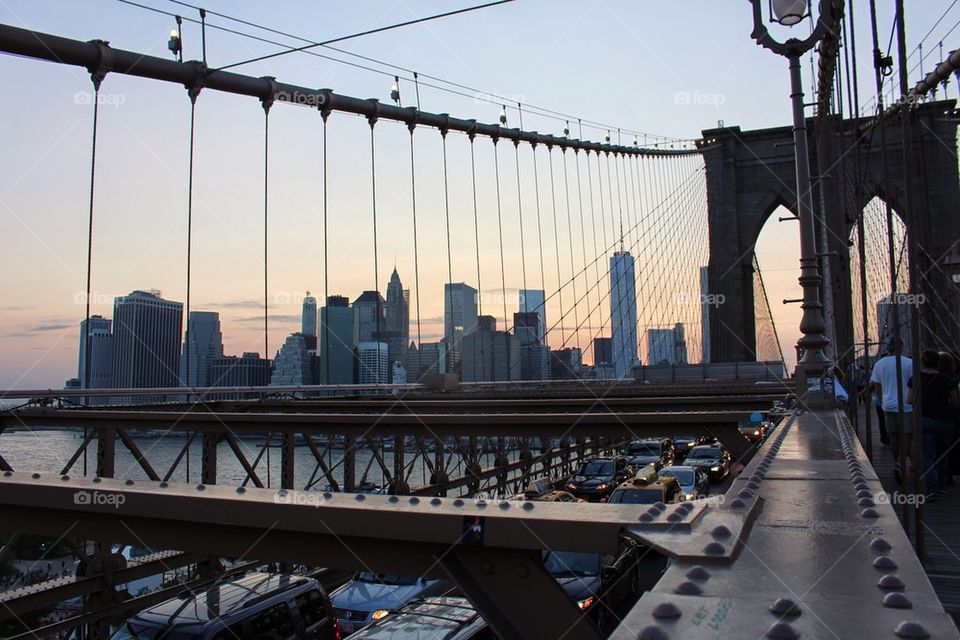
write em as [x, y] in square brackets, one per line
[336, 630]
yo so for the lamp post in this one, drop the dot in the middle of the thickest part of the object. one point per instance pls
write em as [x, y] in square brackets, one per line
[813, 362]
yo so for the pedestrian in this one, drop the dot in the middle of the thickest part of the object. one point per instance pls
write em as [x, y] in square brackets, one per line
[949, 459]
[893, 399]
[878, 407]
[937, 392]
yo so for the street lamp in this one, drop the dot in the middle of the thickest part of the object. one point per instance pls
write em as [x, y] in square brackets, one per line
[813, 363]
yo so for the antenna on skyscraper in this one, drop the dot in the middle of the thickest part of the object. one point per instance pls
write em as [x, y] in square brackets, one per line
[621, 235]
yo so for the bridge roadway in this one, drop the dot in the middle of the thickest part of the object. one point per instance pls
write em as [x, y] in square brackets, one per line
[801, 523]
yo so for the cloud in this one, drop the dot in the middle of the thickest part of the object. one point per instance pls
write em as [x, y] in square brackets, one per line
[277, 318]
[234, 304]
[15, 308]
[52, 326]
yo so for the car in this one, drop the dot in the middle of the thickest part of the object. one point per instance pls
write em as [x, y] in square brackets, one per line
[543, 491]
[646, 491]
[712, 459]
[683, 444]
[257, 605]
[658, 451]
[595, 479]
[449, 618]
[693, 481]
[754, 432]
[370, 596]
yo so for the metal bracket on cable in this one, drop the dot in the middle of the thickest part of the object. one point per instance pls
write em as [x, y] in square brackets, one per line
[104, 63]
[194, 88]
[414, 119]
[445, 127]
[472, 132]
[372, 118]
[267, 101]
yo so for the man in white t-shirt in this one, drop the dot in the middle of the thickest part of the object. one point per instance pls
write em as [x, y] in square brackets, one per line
[884, 379]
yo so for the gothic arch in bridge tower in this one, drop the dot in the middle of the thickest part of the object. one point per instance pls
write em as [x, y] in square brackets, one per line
[751, 173]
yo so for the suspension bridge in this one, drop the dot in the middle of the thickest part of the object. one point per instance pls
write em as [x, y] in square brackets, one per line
[642, 249]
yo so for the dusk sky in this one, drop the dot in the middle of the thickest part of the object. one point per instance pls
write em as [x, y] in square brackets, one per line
[670, 69]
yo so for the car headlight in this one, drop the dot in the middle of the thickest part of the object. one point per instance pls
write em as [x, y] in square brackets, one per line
[586, 603]
[757, 432]
[683, 497]
[689, 496]
[571, 486]
[716, 468]
[379, 613]
[601, 486]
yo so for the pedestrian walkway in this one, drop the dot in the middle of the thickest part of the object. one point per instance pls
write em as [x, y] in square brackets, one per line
[939, 524]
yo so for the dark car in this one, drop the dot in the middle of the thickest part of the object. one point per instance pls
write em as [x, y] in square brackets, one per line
[712, 459]
[692, 480]
[642, 491]
[430, 619]
[755, 431]
[658, 451]
[257, 605]
[683, 444]
[370, 596]
[595, 479]
[599, 583]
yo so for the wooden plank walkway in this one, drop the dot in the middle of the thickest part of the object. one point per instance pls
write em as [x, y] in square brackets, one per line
[940, 524]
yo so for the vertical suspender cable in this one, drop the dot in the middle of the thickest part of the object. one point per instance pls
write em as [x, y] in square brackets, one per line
[573, 267]
[267, 103]
[446, 209]
[536, 193]
[503, 273]
[325, 351]
[381, 375]
[583, 236]
[523, 252]
[416, 252]
[97, 78]
[476, 234]
[556, 242]
[193, 109]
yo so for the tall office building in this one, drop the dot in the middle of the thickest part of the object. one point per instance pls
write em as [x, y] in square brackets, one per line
[430, 358]
[308, 317]
[202, 343]
[369, 317]
[534, 355]
[705, 315]
[459, 318]
[397, 334]
[249, 370]
[336, 341]
[147, 333]
[294, 362]
[372, 362]
[623, 313]
[566, 364]
[489, 355]
[97, 332]
[667, 346]
[535, 301]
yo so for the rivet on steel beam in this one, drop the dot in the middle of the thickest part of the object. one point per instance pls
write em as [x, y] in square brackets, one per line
[327, 495]
[504, 504]
[880, 545]
[737, 503]
[752, 485]
[674, 517]
[652, 633]
[785, 607]
[528, 506]
[687, 588]
[165, 484]
[35, 476]
[698, 573]
[659, 506]
[782, 631]
[646, 517]
[869, 512]
[714, 549]
[866, 502]
[129, 482]
[890, 581]
[282, 493]
[7, 474]
[721, 532]
[666, 610]
[897, 600]
[64, 477]
[359, 497]
[393, 499]
[746, 494]
[864, 493]
[414, 500]
[911, 629]
[458, 502]
[861, 486]
[200, 487]
[436, 502]
[240, 490]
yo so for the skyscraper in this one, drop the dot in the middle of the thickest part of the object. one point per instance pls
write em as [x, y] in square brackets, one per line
[336, 341]
[202, 343]
[667, 346]
[459, 318]
[146, 341]
[534, 355]
[249, 370]
[308, 320]
[369, 317]
[372, 362]
[534, 301]
[623, 312]
[490, 355]
[97, 332]
[294, 362]
[397, 335]
[430, 358]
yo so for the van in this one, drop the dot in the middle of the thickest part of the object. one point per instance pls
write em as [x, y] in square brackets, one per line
[257, 605]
